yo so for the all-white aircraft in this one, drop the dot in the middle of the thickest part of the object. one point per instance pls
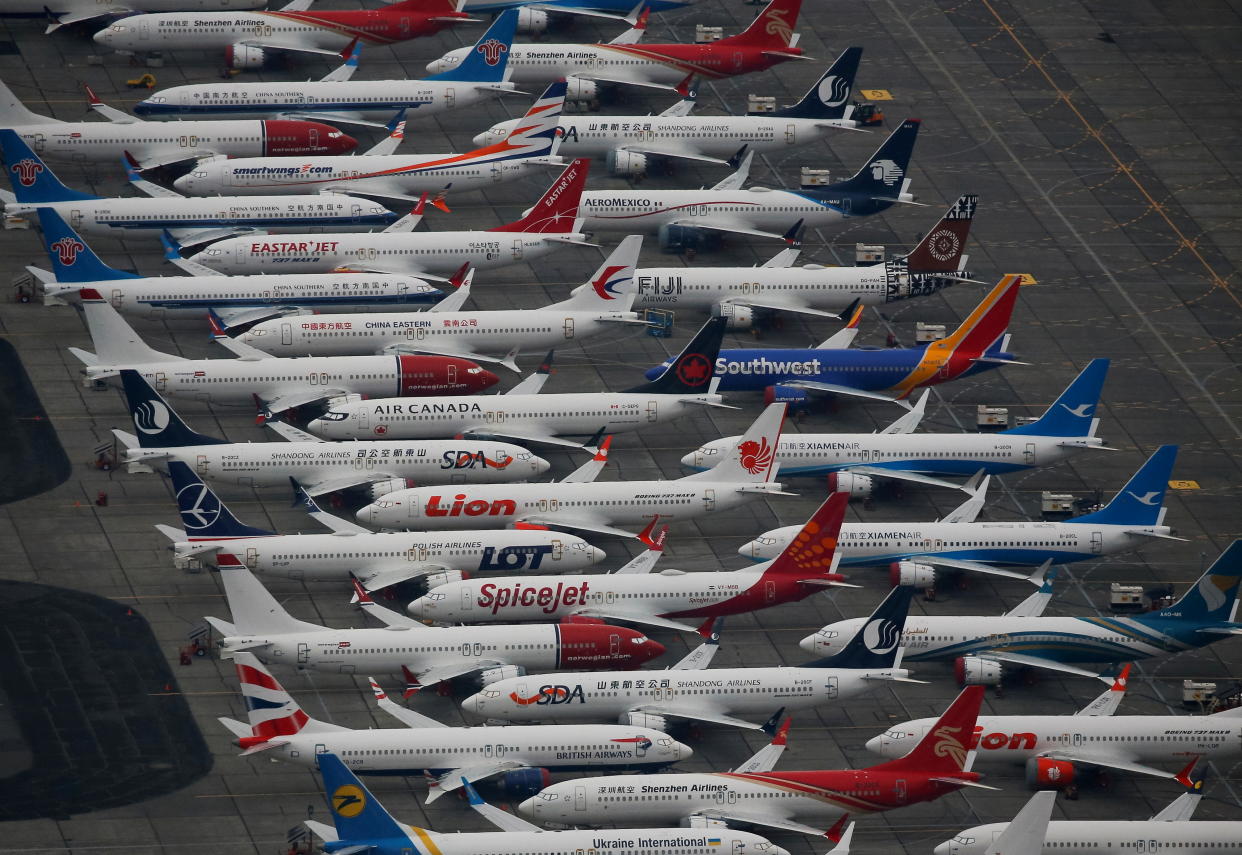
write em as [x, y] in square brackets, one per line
[495, 336]
[151, 144]
[914, 552]
[1169, 832]
[361, 824]
[1026, 834]
[853, 461]
[689, 690]
[589, 505]
[628, 143]
[980, 645]
[631, 595]
[530, 150]
[758, 211]
[190, 221]
[261, 626]
[524, 417]
[62, 12]
[338, 98]
[348, 551]
[520, 756]
[550, 225]
[1056, 748]
[275, 384]
[745, 294]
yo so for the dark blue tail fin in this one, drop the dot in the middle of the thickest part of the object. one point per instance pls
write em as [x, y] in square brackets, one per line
[1141, 501]
[32, 181]
[1072, 414]
[203, 515]
[1213, 599]
[488, 59]
[358, 816]
[158, 424]
[72, 260]
[693, 369]
[885, 173]
[829, 98]
[878, 641]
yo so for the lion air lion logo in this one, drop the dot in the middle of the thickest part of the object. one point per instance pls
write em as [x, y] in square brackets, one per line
[755, 457]
[885, 171]
[67, 250]
[27, 171]
[943, 245]
[776, 25]
[491, 50]
[949, 746]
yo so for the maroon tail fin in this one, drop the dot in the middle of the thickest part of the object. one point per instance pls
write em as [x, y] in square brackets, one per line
[941, 250]
[943, 751]
[557, 211]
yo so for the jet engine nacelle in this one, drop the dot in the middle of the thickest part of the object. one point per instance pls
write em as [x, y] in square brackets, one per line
[911, 573]
[739, 317]
[447, 577]
[856, 486]
[582, 91]
[503, 672]
[522, 784]
[976, 671]
[702, 822]
[1044, 773]
[389, 485]
[532, 22]
[797, 399]
[244, 56]
[627, 164]
[580, 619]
[640, 719]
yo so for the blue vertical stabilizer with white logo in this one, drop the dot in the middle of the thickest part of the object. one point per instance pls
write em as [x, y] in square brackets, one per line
[1141, 501]
[158, 424]
[1073, 413]
[203, 515]
[829, 98]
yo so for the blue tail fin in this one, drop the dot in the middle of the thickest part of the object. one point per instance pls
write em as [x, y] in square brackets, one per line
[1213, 599]
[158, 424]
[203, 515]
[884, 175]
[1072, 414]
[829, 98]
[32, 181]
[693, 369]
[488, 59]
[1141, 501]
[72, 260]
[878, 641]
[358, 816]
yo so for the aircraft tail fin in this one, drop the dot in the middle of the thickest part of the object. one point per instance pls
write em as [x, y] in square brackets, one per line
[986, 324]
[271, 711]
[255, 611]
[115, 341]
[884, 174]
[356, 814]
[941, 249]
[1141, 501]
[203, 515]
[877, 644]
[829, 98]
[1073, 413]
[773, 28]
[811, 554]
[158, 424]
[1025, 833]
[72, 260]
[15, 114]
[753, 459]
[1212, 599]
[489, 58]
[33, 181]
[535, 134]
[943, 750]
[692, 371]
[611, 287]
[556, 212]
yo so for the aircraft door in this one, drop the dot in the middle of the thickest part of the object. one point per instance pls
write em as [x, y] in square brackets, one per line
[303, 652]
[286, 333]
[364, 419]
[610, 597]
[39, 142]
[452, 373]
[1028, 454]
[117, 298]
[769, 592]
[75, 218]
[709, 500]
[450, 96]
[1077, 740]
[144, 31]
[416, 553]
[252, 557]
[558, 549]
[517, 248]
[467, 601]
[579, 792]
[314, 138]
[478, 649]
[355, 214]
[900, 791]
[831, 687]
[320, 748]
[739, 847]
[653, 411]
[161, 381]
[720, 797]
[202, 466]
[487, 751]
[569, 327]
[1097, 542]
[737, 59]
[405, 25]
[614, 644]
[791, 134]
[732, 797]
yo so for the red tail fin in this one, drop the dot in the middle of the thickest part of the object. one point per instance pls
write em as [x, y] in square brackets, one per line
[941, 250]
[943, 750]
[988, 321]
[809, 555]
[557, 211]
[773, 28]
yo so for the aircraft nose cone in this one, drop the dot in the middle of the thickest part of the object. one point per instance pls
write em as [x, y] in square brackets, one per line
[530, 807]
[875, 745]
[437, 65]
[486, 380]
[314, 426]
[367, 514]
[682, 751]
[341, 144]
[750, 550]
[808, 644]
[597, 554]
[473, 704]
[691, 460]
[417, 608]
[540, 465]
[943, 848]
[651, 649]
[104, 36]
[185, 184]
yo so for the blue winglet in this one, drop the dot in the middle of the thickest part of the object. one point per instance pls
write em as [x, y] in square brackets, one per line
[303, 498]
[472, 795]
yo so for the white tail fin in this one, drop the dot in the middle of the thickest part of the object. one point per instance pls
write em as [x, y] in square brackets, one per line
[752, 460]
[115, 341]
[13, 113]
[1024, 835]
[611, 287]
[255, 611]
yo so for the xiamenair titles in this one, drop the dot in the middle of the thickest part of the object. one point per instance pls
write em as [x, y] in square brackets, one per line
[529, 150]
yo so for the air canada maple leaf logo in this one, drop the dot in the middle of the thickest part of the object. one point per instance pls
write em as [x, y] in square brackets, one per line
[694, 370]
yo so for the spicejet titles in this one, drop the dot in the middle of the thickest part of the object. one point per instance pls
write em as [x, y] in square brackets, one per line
[549, 599]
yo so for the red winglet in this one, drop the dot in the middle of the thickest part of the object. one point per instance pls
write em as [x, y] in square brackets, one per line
[601, 456]
[411, 682]
[683, 88]
[349, 51]
[363, 597]
[641, 22]
[706, 629]
[834, 833]
[91, 97]
[260, 416]
[421, 206]
[460, 276]
[217, 331]
[1183, 777]
[782, 733]
[228, 559]
[645, 534]
[438, 202]
[90, 294]
[1119, 685]
[525, 526]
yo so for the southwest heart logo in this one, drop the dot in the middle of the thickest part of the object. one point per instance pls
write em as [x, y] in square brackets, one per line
[27, 171]
[491, 50]
[67, 250]
[606, 283]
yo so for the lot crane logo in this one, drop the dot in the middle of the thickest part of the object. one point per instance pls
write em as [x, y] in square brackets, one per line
[199, 506]
[348, 801]
[949, 746]
[944, 245]
[151, 417]
[491, 50]
[755, 457]
[606, 283]
[67, 250]
[27, 171]
[881, 635]
[694, 369]
[833, 90]
[777, 26]
[886, 171]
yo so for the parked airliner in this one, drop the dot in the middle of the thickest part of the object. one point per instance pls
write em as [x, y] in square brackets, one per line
[62, 12]
[520, 757]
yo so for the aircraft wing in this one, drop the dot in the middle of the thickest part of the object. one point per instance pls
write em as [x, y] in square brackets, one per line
[488, 432]
[291, 433]
[259, 43]
[321, 830]
[837, 389]
[376, 578]
[100, 11]
[301, 399]
[974, 567]
[194, 237]
[354, 479]
[700, 715]
[1107, 761]
[233, 317]
[1038, 662]
[908, 422]
[1236, 629]
[902, 475]
[402, 714]
[780, 306]
[440, 673]
[728, 227]
[770, 820]
[668, 152]
[453, 780]
[338, 118]
[507, 360]
[328, 521]
[502, 819]
[560, 522]
[1180, 809]
[627, 81]
[630, 617]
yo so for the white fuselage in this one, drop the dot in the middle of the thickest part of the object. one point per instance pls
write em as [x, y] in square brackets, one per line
[639, 210]
[1016, 543]
[555, 414]
[272, 464]
[702, 289]
[1014, 739]
[1112, 837]
[39, 8]
[184, 296]
[635, 841]
[751, 692]
[221, 30]
[367, 99]
[137, 215]
[939, 453]
[540, 63]
[602, 502]
[413, 750]
[441, 253]
[496, 332]
[334, 557]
